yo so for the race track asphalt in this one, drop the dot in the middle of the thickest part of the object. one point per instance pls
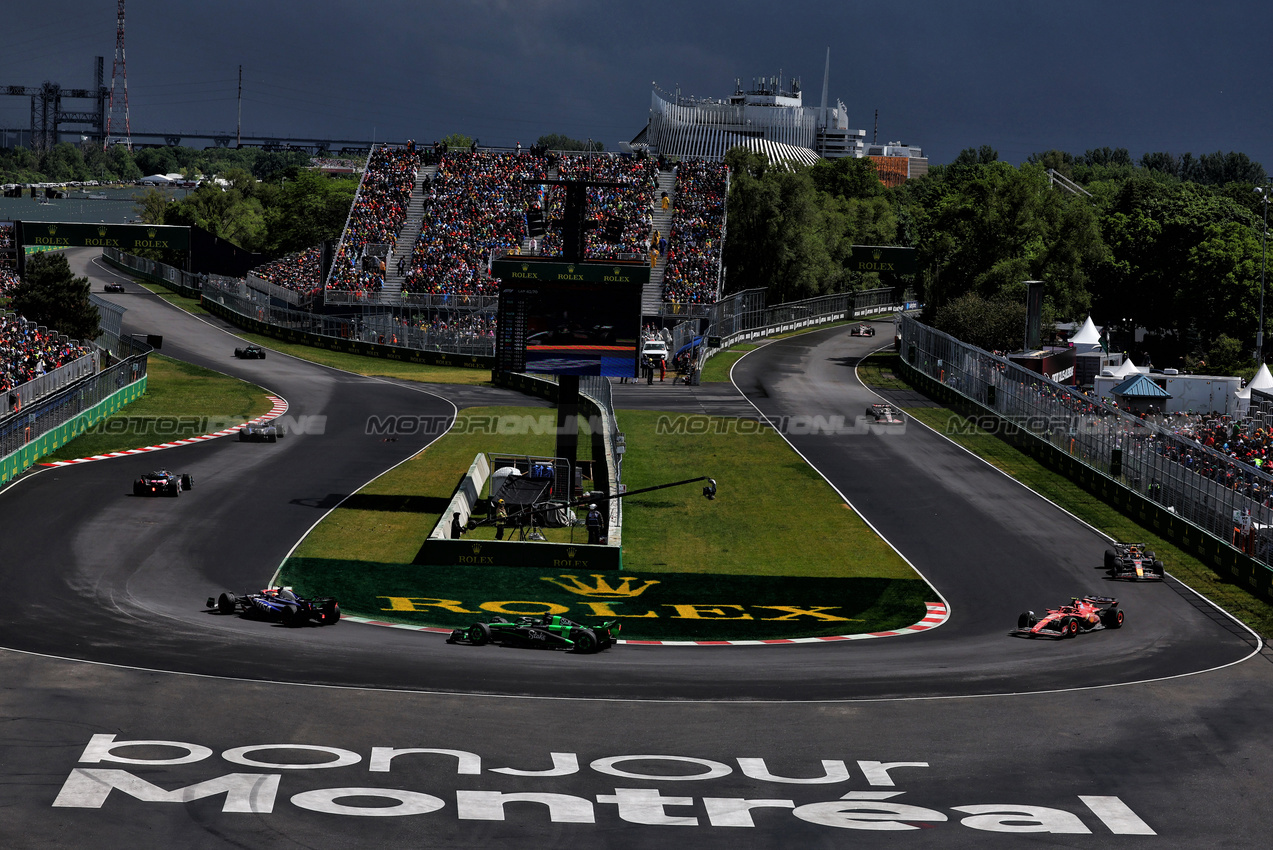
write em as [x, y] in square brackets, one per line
[92, 574]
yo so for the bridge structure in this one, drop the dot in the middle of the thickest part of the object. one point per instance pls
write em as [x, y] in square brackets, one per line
[51, 118]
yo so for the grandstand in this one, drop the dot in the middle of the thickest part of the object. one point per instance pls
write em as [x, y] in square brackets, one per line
[28, 351]
[415, 255]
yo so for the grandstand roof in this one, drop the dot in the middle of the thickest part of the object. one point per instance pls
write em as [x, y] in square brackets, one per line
[781, 153]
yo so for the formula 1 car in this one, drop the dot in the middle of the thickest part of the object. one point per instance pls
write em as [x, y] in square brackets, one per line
[251, 352]
[862, 330]
[548, 632]
[113, 287]
[161, 482]
[885, 414]
[1082, 614]
[279, 605]
[265, 433]
[1132, 561]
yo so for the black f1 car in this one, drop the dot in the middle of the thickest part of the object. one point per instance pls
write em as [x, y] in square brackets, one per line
[862, 330]
[161, 482]
[1132, 561]
[250, 352]
[549, 632]
[279, 605]
[1082, 614]
[113, 287]
[261, 433]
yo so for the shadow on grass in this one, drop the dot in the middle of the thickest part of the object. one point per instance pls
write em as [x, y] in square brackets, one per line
[369, 502]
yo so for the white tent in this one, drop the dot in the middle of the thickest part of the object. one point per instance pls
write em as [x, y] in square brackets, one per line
[1262, 381]
[156, 179]
[1127, 368]
[1087, 338]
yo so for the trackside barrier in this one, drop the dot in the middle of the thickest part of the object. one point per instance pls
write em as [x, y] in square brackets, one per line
[54, 421]
[1140, 466]
[744, 316]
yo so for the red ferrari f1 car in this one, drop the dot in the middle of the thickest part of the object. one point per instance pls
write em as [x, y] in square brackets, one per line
[1082, 614]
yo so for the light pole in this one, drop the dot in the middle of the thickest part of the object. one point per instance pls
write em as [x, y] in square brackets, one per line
[1264, 247]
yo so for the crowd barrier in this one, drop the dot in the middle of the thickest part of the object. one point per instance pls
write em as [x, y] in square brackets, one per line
[53, 420]
[1200, 499]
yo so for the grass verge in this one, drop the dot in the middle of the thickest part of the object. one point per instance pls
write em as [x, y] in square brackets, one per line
[717, 369]
[1233, 598]
[387, 520]
[770, 505]
[181, 401]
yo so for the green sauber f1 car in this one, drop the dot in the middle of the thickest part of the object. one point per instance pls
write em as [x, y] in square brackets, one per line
[548, 632]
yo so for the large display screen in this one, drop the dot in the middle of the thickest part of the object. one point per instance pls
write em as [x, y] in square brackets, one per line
[569, 328]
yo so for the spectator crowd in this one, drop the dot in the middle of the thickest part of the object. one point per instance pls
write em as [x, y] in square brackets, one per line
[300, 272]
[474, 210]
[694, 248]
[378, 214]
[26, 351]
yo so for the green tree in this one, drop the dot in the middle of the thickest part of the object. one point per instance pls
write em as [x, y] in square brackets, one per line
[558, 142]
[49, 294]
[309, 209]
[993, 324]
[457, 141]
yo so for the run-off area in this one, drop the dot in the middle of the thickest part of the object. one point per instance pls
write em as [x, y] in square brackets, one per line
[99, 780]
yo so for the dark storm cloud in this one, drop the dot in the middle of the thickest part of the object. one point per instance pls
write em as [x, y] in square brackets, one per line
[1021, 77]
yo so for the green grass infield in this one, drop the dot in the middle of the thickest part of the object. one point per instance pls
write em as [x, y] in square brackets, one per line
[776, 555]
[650, 606]
[181, 401]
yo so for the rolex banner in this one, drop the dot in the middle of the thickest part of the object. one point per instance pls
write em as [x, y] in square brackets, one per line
[649, 605]
[128, 238]
[879, 258]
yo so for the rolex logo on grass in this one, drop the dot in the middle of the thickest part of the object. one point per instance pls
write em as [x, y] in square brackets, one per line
[602, 589]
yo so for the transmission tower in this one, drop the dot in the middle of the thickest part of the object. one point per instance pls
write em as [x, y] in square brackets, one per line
[119, 71]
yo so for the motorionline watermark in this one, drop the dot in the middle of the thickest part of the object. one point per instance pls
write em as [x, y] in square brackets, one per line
[957, 426]
[178, 426]
[793, 426]
[509, 425]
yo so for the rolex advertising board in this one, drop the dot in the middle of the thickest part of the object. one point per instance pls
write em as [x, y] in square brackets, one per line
[881, 258]
[129, 238]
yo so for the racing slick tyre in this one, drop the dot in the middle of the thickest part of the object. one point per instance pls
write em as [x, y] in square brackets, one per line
[291, 616]
[243, 435]
[1025, 621]
[238, 352]
[1158, 568]
[138, 490]
[1112, 618]
[329, 614]
[479, 634]
[187, 481]
[1070, 628]
[174, 489]
[1150, 556]
[585, 641]
[271, 438]
[1111, 559]
[226, 603]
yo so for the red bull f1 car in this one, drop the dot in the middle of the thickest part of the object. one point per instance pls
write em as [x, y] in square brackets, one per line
[1133, 562]
[549, 632]
[278, 605]
[1082, 614]
[161, 482]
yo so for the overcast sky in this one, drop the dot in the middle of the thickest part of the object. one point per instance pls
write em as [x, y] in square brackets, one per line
[1022, 76]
